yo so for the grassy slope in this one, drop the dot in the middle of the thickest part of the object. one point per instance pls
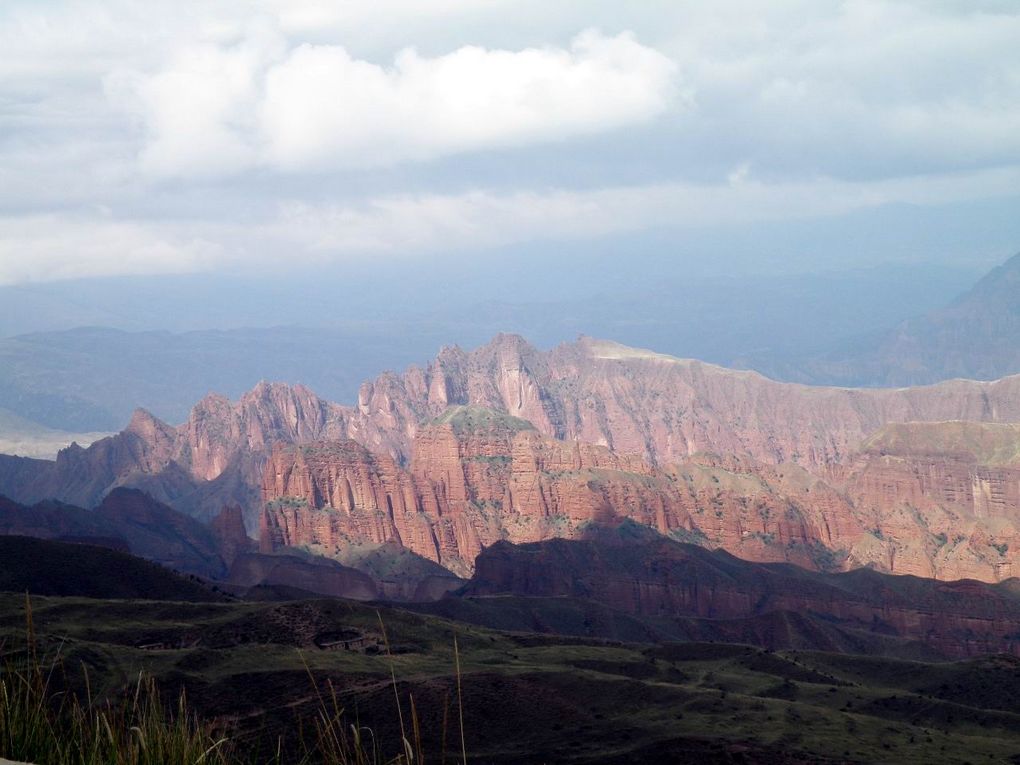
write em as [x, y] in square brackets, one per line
[473, 419]
[544, 699]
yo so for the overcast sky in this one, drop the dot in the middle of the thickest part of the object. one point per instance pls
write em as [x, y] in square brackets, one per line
[154, 137]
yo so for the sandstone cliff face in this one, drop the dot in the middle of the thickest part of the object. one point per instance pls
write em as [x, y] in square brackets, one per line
[611, 431]
[329, 495]
[477, 477]
[940, 499]
[662, 408]
[659, 578]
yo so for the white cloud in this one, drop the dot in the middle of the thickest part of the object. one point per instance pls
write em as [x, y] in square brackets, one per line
[861, 88]
[220, 109]
[315, 16]
[51, 247]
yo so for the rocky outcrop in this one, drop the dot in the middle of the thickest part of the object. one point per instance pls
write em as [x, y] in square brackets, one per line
[509, 442]
[662, 579]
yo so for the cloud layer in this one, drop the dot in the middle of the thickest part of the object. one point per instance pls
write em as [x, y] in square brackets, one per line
[175, 136]
[415, 225]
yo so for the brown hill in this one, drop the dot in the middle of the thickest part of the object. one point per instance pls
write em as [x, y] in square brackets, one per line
[661, 579]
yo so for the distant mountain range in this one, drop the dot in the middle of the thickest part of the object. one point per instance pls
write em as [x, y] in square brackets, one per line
[977, 337]
[91, 378]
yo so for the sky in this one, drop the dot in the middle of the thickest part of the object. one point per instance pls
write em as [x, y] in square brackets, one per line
[302, 135]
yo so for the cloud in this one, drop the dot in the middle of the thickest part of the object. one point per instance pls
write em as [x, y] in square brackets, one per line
[861, 88]
[235, 132]
[52, 247]
[408, 225]
[221, 109]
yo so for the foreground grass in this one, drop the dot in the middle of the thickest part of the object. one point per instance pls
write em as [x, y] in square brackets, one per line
[44, 722]
[43, 727]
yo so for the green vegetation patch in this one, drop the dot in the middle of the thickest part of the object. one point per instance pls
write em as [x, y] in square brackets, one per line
[479, 419]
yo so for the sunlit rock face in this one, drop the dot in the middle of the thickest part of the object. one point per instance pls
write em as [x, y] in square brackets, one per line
[511, 442]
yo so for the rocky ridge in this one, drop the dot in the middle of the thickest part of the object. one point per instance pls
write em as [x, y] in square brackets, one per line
[771, 471]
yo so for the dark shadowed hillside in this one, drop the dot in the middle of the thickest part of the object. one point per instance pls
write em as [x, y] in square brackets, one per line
[49, 567]
[671, 587]
[148, 529]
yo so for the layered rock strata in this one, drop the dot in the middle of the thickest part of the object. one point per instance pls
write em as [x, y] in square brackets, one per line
[613, 431]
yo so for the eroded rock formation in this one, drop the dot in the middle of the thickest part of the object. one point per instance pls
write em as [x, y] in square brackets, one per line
[477, 477]
[768, 470]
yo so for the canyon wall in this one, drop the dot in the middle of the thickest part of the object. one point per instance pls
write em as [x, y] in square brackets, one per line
[477, 476]
[510, 442]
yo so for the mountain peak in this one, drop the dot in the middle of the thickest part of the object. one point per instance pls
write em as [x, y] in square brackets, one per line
[148, 427]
